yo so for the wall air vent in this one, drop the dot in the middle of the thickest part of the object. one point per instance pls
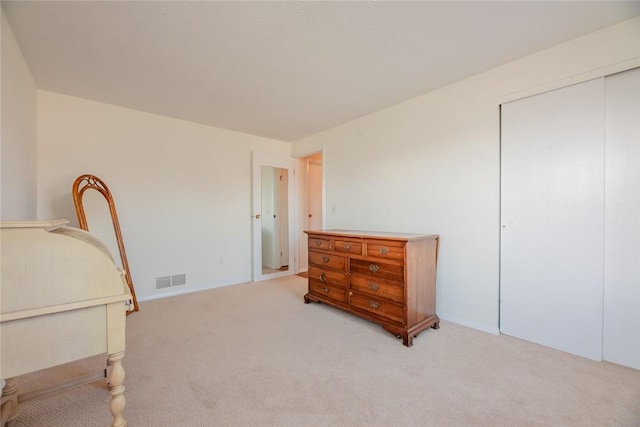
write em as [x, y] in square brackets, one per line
[163, 282]
[178, 279]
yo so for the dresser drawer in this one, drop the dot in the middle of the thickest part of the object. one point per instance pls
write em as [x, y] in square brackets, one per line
[377, 288]
[385, 251]
[319, 243]
[378, 306]
[325, 290]
[347, 247]
[335, 278]
[337, 262]
[378, 270]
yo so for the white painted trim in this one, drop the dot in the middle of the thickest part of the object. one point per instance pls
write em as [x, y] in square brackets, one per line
[185, 290]
[572, 80]
[484, 328]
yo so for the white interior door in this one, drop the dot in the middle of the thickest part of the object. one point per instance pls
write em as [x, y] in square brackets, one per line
[273, 209]
[622, 224]
[552, 214]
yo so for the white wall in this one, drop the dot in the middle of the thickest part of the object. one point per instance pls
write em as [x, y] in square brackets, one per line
[18, 143]
[431, 165]
[182, 190]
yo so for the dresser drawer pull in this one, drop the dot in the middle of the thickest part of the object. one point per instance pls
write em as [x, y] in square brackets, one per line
[374, 287]
[347, 247]
[325, 258]
[384, 251]
[374, 305]
[325, 289]
[318, 242]
[374, 268]
[323, 278]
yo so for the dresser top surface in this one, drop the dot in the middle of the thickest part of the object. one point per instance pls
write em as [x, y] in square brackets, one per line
[372, 234]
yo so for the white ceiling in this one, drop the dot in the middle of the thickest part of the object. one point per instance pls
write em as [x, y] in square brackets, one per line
[283, 70]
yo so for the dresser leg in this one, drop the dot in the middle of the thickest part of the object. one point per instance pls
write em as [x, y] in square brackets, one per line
[116, 389]
[407, 340]
[9, 405]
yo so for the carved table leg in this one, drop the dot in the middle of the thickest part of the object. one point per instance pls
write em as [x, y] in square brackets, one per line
[9, 405]
[116, 389]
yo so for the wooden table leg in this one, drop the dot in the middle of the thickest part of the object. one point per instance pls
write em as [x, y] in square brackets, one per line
[116, 389]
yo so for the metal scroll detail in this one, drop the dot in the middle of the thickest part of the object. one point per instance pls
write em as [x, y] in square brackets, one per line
[92, 182]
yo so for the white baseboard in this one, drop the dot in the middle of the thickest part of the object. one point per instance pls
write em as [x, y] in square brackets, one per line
[485, 328]
[184, 290]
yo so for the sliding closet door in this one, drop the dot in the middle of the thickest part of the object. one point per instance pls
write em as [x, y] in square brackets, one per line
[552, 214]
[622, 224]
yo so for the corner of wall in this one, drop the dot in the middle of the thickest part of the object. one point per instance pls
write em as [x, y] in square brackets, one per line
[18, 166]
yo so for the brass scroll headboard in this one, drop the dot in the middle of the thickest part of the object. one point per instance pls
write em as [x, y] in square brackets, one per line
[87, 182]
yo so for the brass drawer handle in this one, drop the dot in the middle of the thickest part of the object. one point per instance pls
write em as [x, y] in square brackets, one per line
[374, 287]
[323, 278]
[384, 251]
[325, 258]
[374, 268]
[374, 305]
[347, 247]
[318, 242]
[325, 289]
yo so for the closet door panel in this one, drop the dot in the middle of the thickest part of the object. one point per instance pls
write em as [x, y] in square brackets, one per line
[552, 214]
[622, 224]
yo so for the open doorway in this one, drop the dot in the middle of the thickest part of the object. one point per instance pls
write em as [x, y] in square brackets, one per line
[314, 191]
[311, 202]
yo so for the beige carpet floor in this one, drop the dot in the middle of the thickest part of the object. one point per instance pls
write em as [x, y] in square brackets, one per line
[256, 355]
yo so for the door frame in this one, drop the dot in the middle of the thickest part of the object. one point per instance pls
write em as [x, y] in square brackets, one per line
[303, 189]
[259, 159]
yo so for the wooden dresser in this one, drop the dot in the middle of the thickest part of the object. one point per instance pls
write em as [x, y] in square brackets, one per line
[387, 278]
